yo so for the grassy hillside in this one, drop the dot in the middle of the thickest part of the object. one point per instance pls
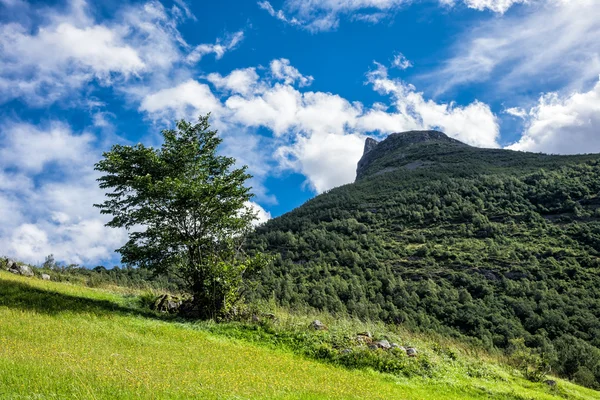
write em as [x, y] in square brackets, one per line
[59, 340]
[435, 235]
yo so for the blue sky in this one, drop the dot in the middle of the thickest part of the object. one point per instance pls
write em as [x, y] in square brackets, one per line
[294, 87]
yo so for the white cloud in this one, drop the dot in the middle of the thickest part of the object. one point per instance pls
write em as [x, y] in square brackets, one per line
[279, 14]
[324, 15]
[326, 159]
[401, 62]
[242, 81]
[70, 50]
[317, 134]
[499, 6]
[516, 112]
[474, 124]
[185, 100]
[47, 191]
[262, 215]
[551, 43]
[563, 124]
[282, 70]
[218, 49]
[30, 149]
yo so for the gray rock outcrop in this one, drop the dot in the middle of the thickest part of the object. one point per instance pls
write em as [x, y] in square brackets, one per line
[318, 325]
[17, 269]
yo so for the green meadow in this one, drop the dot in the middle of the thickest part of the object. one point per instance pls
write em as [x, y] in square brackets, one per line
[66, 341]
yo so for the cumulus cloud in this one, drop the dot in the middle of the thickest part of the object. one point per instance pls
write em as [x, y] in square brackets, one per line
[242, 81]
[47, 191]
[262, 215]
[185, 100]
[563, 124]
[282, 70]
[29, 149]
[474, 124]
[71, 49]
[505, 52]
[317, 134]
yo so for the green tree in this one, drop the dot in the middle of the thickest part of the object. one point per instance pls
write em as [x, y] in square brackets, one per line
[185, 210]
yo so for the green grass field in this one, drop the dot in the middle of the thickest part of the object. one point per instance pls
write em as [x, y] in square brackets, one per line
[62, 341]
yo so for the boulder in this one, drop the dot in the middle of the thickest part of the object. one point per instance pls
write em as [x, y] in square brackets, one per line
[46, 277]
[383, 344]
[364, 337]
[23, 270]
[411, 352]
[550, 382]
[8, 263]
[318, 325]
[167, 304]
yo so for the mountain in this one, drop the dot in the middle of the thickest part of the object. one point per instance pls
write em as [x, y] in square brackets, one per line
[486, 244]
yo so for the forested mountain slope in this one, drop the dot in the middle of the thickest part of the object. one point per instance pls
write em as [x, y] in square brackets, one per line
[437, 235]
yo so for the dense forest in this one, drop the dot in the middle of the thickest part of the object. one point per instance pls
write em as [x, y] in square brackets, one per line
[485, 244]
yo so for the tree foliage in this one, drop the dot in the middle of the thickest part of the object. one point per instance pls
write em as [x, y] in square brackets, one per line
[185, 209]
[491, 245]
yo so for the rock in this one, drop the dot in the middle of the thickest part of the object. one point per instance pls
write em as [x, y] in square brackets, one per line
[364, 337]
[10, 263]
[370, 144]
[272, 317]
[20, 269]
[411, 352]
[173, 306]
[346, 351]
[46, 277]
[550, 382]
[394, 345]
[255, 318]
[383, 344]
[373, 346]
[318, 325]
[167, 304]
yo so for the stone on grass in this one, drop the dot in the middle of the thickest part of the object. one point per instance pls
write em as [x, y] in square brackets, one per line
[318, 325]
[167, 304]
[46, 277]
[20, 270]
[364, 337]
[411, 352]
[383, 344]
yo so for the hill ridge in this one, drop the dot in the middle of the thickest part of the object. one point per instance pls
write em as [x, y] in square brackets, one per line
[374, 150]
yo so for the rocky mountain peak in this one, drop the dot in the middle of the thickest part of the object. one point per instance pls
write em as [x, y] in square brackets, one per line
[400, 143]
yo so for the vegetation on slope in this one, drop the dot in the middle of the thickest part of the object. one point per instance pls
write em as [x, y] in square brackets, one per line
[491, 245]
[60, 340]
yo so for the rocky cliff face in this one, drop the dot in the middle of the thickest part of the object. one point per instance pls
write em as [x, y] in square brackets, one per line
[399, 146]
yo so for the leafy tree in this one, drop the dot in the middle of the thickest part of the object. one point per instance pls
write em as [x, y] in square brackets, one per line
[185, 208]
